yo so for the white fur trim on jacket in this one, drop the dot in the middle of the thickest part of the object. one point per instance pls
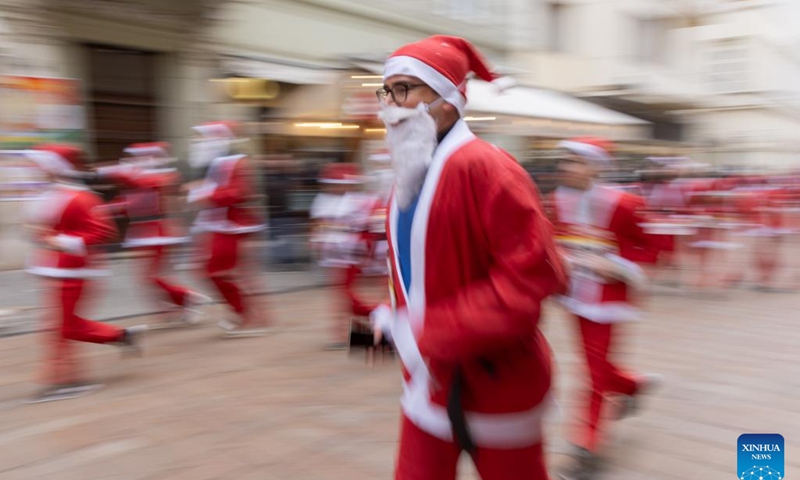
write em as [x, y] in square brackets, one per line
[605, 312]
[71, 244]
[153, 241]
[55, 272]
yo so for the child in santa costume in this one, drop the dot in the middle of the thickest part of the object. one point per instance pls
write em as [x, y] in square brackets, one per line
[147, 185]
[226, 216]
[67, 222]
[598, 229]
[472, 258]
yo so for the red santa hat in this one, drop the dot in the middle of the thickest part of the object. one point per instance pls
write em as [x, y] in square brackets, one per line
[57, 159]
[341, 173]
[594, 149]
[218, 130]
[443, 63]
[152, 149]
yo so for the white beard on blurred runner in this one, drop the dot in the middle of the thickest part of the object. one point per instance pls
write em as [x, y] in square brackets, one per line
[411, 138]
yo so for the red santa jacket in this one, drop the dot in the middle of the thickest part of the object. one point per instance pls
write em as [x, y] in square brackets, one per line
[144, 203]
[606, 222]
[227, 189]
[72, 216]
[482, 261]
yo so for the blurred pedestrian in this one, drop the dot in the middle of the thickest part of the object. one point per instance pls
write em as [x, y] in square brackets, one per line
[339, 214]
[67, 223]
[598, 228]
[225, 196]
[472, 258]
[147, 184]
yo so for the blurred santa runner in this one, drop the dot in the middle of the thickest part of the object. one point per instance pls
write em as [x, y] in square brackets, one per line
[350, 243]
[147, 184]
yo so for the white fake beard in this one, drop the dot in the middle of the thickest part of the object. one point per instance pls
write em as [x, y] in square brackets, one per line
[203, 152]
[411, 137]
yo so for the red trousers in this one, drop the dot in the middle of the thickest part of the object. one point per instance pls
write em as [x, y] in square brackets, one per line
[424, 457]
[605, 377]
[153, 264]
[227, 270]
[61, 365]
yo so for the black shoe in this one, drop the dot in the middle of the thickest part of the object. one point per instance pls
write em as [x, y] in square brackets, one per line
[586, 466]
[336, 346]
[64, 392]
[631, 404]
[132, 339]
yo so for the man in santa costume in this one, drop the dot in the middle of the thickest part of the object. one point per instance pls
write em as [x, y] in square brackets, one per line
[147, 185]
[66, 223]
[225, 197]
[598, 228]
[472, 259]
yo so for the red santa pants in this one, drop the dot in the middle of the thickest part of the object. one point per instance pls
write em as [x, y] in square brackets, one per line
[425, 457]
[60, 363]
[767, 259]
[226, 269]
[154, 262]
[605, 377]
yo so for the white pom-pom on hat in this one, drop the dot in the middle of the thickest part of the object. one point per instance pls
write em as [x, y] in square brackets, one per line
[504, 83]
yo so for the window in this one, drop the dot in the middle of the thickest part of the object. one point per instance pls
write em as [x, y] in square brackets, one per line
[476, 11]
[650, 40]
[555, 25]
[726, 66]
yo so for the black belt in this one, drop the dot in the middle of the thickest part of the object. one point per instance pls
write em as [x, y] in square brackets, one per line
[148, 218]
[458, 420]
[455, 409]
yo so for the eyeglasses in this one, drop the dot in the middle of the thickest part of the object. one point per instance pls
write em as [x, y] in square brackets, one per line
[398, 91]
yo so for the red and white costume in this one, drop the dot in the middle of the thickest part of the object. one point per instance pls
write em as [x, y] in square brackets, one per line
[345, 243]
[146, 185]
[228, 221]
[71, 216]
[600, 222]
[482, 260]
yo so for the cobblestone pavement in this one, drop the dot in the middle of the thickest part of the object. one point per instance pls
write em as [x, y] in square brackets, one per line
[197, 407]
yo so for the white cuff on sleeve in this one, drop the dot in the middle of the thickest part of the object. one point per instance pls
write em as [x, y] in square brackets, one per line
[382, 319]
[71, 244]
[628, 271]
[203, 191]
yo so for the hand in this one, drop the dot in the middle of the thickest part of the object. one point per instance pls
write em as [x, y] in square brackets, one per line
[595, 264]
[190, 185]
[603, 268]
[377, 336]
[51, 242]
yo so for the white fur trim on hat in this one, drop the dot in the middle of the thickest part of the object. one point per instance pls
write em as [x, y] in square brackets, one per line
[587, 151]
[380, 157]
[49, 161]
[217, 130]
[404, 65]
[504, 83]
[342, 181]
[153, 150]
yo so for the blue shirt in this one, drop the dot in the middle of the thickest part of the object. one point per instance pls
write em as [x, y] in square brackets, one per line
[405, 218]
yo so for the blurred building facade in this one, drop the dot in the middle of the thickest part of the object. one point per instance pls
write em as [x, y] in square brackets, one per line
[720, 76]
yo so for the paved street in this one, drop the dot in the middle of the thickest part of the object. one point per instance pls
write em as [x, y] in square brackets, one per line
[278, 408]
[122, 294]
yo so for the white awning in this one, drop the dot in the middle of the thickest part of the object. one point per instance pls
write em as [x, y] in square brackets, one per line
[279, 71]
[520, 101]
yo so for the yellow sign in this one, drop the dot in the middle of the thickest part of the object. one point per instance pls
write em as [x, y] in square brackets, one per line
[251, 88]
